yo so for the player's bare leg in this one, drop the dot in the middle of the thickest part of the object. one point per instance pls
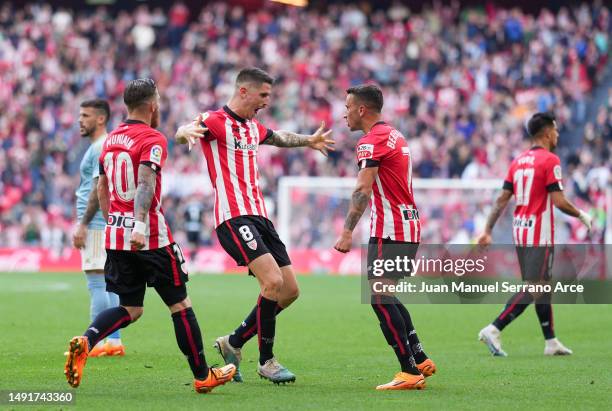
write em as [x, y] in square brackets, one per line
[230, 346]
[270, 280]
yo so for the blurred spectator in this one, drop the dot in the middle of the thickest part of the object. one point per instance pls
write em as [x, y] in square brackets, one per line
[458, 83]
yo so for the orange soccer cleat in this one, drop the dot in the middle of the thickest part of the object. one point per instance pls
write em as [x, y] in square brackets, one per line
[113, 350]
[404, 381]
[78, 351]
[216, 377]
[427, 368]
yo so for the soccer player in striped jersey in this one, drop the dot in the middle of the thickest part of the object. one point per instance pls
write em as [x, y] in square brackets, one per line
[535, 180]
[89, 234]
[139, 246]
[385, 182]
[230, 138]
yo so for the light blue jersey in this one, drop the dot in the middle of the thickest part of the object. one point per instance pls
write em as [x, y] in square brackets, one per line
[89, 170]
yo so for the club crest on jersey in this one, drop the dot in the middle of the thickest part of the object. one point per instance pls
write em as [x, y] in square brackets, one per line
[365, 151]
[557, 172]
[156, 154]
[252, 245]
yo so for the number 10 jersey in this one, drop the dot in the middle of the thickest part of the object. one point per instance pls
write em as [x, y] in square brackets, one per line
[131, 144]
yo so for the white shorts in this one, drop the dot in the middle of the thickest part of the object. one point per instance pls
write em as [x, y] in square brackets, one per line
[93, 256]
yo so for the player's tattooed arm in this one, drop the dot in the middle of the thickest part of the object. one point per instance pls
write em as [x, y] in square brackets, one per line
[359, 203]
[145, 190]
[498, 209]
[103, 195]
[319, 141]
[93, 204]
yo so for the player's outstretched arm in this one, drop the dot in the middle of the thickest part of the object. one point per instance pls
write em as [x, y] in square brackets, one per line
[320, 140]
[103, 195]
[563, 204]
[145, 190]
[359, 203]
[190, 132]
[93, 205]
[498, 208]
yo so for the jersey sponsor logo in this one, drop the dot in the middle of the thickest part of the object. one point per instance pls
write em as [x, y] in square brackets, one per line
[239, 145]
[120, 221]
[252, 244]
[523, 222]
[557, 172]
[156, 154]
[409, 213]
[365, 151]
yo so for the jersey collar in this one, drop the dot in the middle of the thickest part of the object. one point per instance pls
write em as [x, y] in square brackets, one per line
[234, 115]
[130, 121]
[537, 148]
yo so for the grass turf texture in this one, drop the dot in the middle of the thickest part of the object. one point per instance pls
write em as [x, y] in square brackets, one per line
[330, 340]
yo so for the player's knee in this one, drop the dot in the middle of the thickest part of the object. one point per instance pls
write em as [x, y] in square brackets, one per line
[292, 293]
[272, 284]
[180, 306]
[135, 312]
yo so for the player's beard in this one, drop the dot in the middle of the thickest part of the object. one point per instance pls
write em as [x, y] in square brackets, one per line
[86, 132]
[155, 119]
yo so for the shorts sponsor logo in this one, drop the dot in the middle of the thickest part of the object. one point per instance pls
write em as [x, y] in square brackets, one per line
[365, 151]
[156, 154]
[252, 244]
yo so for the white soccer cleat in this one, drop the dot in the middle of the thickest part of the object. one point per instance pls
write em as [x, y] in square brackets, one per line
[231, 355]
[554, 347]
[491, 336]
[273, 371]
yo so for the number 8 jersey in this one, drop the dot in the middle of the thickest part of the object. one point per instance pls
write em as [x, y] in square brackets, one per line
[533, 175]
[133, 143]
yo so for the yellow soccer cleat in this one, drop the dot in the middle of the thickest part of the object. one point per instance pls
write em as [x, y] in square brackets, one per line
[216, 377]
[427, 368]
[78, 351]
[404, 381]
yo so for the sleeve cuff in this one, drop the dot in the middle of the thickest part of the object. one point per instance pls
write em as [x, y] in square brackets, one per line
[268, 135]
[508, 186]
[554, 187]
[151, 165]
[101, 170]
[368, 163]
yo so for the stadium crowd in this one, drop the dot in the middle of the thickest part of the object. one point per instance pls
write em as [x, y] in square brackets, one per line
[457, 82]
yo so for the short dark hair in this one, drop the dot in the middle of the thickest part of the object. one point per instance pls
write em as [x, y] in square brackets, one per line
[540, 121]
[253, 75]
[138, 92]
[369, 94]
[100, 105]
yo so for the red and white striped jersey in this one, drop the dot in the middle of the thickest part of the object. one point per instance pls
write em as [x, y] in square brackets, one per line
[133, 143]
[532, 176]
[394, 214]
[230, 148]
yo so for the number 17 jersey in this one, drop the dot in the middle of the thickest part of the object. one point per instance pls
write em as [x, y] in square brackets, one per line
[532, 176]
[131, 144]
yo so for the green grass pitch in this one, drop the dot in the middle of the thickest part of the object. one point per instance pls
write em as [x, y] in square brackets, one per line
[328, 338]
